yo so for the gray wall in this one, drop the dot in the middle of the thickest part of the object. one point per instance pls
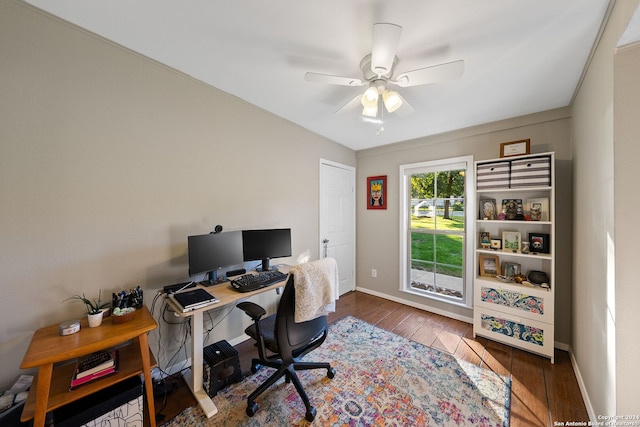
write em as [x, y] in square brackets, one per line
[378, 233]
[109, 160]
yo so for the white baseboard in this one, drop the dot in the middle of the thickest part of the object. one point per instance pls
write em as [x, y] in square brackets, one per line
[416, 305]
[583, 388]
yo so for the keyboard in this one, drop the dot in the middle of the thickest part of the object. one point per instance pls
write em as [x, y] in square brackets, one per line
[251, 282]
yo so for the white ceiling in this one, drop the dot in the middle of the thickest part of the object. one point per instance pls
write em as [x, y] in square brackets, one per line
[520, 56]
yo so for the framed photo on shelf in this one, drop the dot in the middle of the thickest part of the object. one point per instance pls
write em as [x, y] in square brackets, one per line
[485, 239]
[515, 148]
[488, 209]
[496, 244]
[538, 209]
[511, 241]
[510, 269]
[539, 242]
[377, 192]
[489, 265]
[512, 210]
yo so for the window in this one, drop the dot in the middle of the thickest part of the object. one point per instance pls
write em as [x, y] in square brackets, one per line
[436, 226]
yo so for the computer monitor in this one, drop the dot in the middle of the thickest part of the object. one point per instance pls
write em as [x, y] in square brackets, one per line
[208, 253]
[266, 244]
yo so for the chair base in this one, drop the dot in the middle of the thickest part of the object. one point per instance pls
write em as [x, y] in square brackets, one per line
[289, 372]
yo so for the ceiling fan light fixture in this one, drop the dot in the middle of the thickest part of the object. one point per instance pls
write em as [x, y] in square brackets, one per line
[370, 111]
[370, 98]
[392, 101]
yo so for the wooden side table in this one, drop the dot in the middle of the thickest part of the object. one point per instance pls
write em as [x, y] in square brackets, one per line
[50, 389]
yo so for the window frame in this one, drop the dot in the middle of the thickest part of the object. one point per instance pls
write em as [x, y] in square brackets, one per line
[406, 170]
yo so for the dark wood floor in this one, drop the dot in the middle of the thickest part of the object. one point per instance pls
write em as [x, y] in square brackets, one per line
[541, 393]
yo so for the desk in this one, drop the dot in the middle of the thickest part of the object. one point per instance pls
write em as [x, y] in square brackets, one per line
[50, 389]
[227, 296]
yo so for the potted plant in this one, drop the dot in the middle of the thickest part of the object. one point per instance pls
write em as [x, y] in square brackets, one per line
[94, 308]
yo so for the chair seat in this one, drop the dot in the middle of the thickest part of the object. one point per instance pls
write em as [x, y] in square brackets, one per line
[267, 327]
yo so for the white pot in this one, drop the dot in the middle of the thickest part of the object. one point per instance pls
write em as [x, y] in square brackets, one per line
[95, 319]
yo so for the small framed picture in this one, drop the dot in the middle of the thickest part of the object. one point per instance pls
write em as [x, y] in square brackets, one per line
[515, 148]
[485, 239]
[538, 209]
[489, 265]
[511, 241]
[510, 269]
[377, 192]
[539, 242]
[496, 244]
[488, 209]
[512, 210]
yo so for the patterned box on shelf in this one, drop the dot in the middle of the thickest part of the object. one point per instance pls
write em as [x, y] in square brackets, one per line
[513, 329]
[527, 334]
[531, 172]
[527, 303]
[493, 175]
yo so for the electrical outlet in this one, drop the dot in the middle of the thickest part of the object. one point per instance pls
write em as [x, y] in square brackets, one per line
[374, 273]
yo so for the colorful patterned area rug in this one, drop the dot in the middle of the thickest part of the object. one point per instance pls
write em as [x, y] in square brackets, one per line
[381, 379]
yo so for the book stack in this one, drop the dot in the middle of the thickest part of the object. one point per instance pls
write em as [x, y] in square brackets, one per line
[94, 366]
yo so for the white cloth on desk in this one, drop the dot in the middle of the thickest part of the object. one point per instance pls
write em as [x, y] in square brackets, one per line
[316, 288]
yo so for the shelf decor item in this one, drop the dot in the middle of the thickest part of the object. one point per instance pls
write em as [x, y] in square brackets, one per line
[488, 209]
[485, 239]
[511, 241]
[377, 192]
[512, 209]
[515, 148]
[496, 244]
[95, 308]
[510, 269]
[539, 243]
[489, 265]
[538, 209]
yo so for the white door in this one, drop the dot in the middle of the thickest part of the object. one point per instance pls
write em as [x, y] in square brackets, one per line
[337, 220]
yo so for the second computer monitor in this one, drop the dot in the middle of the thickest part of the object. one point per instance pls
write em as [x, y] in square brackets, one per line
[266, 244]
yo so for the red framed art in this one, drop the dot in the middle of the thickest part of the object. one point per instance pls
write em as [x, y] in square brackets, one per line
[377, 192]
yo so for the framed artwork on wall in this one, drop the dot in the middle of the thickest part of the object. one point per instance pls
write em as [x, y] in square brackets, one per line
[515, 148]
[377, 192]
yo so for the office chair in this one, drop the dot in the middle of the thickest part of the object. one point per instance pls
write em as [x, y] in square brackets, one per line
[288, 341]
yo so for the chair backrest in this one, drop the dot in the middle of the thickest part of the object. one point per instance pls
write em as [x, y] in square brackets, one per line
[296, 339]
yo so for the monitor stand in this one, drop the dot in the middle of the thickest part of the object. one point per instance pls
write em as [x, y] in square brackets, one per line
[213, 279]
[265, 265]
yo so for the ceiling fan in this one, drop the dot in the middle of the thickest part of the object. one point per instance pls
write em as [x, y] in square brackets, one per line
[377, 71]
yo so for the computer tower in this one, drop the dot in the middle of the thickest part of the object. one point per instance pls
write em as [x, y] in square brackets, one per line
[221, 367]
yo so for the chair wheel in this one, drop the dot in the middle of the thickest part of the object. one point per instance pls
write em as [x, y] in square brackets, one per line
[331, 373]
[254, 368]
[252, 409]
[311, 414]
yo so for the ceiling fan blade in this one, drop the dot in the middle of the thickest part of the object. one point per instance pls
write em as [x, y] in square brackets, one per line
[332, 80]
[437, 73]
[406, 108]
[352, 104]
[385, 41]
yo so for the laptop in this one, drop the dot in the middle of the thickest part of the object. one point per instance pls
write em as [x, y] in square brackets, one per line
[193, 299]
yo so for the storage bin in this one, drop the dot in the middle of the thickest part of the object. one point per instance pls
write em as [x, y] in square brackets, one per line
[493, 175]
[120, 404]
[531, 172]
